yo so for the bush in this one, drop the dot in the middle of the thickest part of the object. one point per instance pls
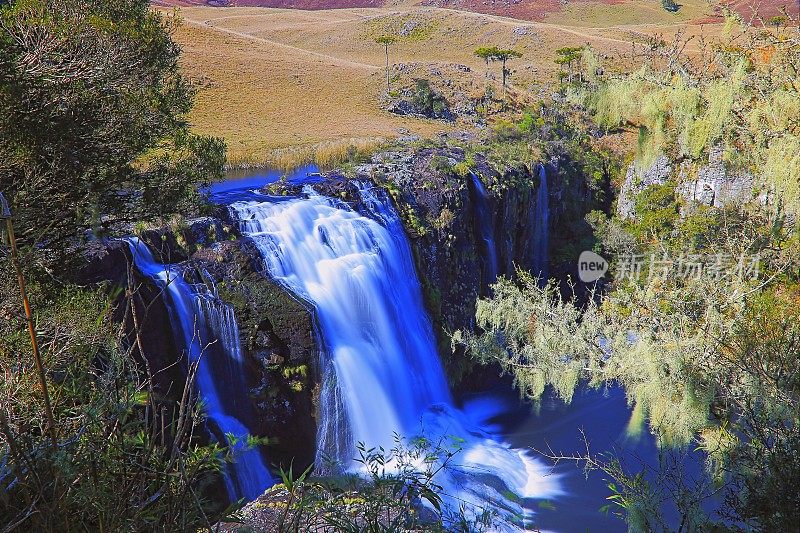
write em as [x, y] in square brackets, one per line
[670, 6]
[126, 458]
[396, 493]
[93, 119]
[428, 102]
[656, 212]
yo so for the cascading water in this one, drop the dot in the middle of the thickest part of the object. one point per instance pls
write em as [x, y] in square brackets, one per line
[541, 232]
[486, 229]
[382, 371]
[206, 328]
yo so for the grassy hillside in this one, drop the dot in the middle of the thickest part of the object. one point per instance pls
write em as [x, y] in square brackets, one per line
[274, 78]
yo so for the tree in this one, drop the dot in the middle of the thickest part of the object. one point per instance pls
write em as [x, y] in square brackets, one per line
[93, 119]
[705, 368]
[778, 21]
[493, 53]
[568, 56]
[504, 56]
[487, 53]
[386, 40]
[670, 6]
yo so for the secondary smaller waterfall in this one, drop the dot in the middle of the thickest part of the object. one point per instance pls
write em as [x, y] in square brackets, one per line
[541, 232]
[486, 229]
[206, 329]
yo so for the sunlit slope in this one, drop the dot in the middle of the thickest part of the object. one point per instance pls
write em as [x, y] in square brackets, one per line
[272, 78]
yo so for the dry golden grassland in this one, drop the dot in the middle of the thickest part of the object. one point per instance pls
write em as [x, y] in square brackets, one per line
[280, 85]
[629, 13]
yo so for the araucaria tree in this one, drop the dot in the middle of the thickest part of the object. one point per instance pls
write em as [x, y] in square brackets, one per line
[493, 53]
[93, 118]
[487, 53]
[386, 41]
[504, 56]
[569, 56]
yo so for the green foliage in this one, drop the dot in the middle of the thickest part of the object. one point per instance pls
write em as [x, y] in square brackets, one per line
[530, 123]
[487, 53]
[386, 498]
[568, 54]
[670, 5]
[93, 118]
[708, 360]
[743, 99]
[697, 230]
[386, 40]
[778, 21]
[656, 212]
[506, 54]
[127, 457]
[568, 57]
[463, 168]
[493, 53]
[427, 101]
[441, 164]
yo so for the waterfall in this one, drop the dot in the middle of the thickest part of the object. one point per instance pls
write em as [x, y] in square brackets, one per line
[382, 375]
[541, 231]
[206, 329]
[486, 229]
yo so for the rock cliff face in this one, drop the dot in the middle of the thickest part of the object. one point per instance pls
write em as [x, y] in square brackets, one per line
[713, 184]
[279, 345]
[448, 218]
[277, 332]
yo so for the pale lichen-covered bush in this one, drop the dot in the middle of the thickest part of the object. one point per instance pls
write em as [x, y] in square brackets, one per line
[741, 98]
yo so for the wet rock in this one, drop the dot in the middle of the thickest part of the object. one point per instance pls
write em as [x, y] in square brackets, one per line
[279, 344]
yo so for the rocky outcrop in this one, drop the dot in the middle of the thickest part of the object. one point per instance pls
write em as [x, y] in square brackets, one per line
[422, 101]
[713, 184]
[637, 180]
[279, 344]
[434, 192]
[109, 261]
[277, 331]
[176, 243]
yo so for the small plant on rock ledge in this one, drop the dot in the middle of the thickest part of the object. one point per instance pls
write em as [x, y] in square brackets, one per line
[397, 492]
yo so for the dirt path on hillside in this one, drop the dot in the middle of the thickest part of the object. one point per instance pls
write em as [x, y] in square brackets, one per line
[338, 61]
[588, 34]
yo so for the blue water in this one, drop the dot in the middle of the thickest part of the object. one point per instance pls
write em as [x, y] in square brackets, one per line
[242, 185]
[555, 429]
[485, 226]
[254, 179]
[206, 329]
[603, 417]
[382, 374]
[541, 233]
